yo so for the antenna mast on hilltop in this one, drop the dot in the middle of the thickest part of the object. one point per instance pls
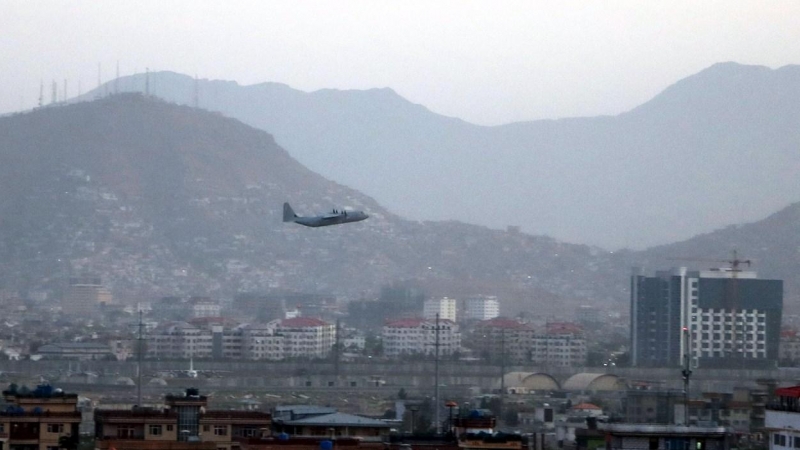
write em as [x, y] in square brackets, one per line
[436, 379]
[99, 81]
[196, 98]
[139, 351]
[41, 93]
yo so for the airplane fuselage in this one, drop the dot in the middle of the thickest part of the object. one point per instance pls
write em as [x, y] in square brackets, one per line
[334, 218]
[324, 221]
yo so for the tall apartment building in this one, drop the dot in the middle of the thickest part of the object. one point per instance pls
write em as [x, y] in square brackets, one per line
[418, 336]
[85, 296]
[719, 318]
[483, 307]
[445, 307]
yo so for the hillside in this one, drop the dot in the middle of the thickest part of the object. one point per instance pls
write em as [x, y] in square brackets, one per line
[716, 148]
[160, 199]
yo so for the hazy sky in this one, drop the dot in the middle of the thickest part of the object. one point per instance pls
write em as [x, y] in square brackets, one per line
[487, 62]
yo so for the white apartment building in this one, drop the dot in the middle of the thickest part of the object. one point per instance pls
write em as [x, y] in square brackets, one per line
[205, 308]
[260, 342]
[557, 345]
[557, 350]
[445, 307]
[485, 307]
[418, 336]
[789, 350]
[179, 340]
[306, 337]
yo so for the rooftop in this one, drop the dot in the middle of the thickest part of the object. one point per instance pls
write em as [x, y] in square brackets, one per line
[339, 419]
[303, 322]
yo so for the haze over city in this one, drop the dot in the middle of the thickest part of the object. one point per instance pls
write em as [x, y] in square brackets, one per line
[458, 225]
[485, 62]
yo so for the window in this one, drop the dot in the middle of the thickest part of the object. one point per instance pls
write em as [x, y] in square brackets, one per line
[206, 428]
[55, 428]
[155, 430]
[169, 428]
[653, 444]
[220, 430]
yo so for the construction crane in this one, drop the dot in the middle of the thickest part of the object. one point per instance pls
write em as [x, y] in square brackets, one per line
[733, 298]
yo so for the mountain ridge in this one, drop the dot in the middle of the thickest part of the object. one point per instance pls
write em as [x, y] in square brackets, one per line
[163, 199]
[632, 180]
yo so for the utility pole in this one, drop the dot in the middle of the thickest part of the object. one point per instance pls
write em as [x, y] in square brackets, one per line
[502, 371]
[140, 350]
[687, 373]
[436, 380]
[336, 350]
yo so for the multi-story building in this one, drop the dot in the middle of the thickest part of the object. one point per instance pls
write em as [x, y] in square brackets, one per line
[82, 351]
[261, 342]
[204, 307]
[501, 338]
[557, 350]
[180, 340]
[418, 336]
[445, 307]
[85, 296]
[42, 419]
[306, 337]
[184, 423]
[557, 345]
[789, 348]
[484, 307]
[782, 419]
[718, 318]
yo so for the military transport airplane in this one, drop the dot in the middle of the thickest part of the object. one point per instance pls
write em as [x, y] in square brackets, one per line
[333, 218]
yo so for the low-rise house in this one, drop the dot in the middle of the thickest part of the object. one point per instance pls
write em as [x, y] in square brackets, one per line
[82, 351]
[183, 423]
[316, 421]
[42, 419]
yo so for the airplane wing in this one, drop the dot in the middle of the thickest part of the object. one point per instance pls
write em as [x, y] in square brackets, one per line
[330, 216]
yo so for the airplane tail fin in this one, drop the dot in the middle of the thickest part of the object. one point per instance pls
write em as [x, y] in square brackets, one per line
[288, 213]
